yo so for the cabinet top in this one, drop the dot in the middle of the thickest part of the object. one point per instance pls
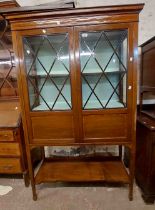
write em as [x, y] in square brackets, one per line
[40, 11]
[152, 39]
[8, 4]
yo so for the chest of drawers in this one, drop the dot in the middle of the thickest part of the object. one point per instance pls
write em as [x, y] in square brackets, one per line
[12, 147]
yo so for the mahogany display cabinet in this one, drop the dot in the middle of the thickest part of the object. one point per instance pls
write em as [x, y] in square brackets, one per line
[77, 81]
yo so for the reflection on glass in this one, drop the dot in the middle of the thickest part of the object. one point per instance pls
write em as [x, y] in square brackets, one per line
[48, 72]
[103, 57]
[8, 76]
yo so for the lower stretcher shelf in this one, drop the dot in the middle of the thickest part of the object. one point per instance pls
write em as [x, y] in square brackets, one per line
[78, 171]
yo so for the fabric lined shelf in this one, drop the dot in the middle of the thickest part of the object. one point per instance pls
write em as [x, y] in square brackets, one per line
[90, 105]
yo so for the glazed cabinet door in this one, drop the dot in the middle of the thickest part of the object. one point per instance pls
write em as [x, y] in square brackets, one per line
[47, 78]
[105, 78]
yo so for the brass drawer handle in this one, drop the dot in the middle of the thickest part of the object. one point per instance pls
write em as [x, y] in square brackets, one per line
[4, 135]
[7, 167]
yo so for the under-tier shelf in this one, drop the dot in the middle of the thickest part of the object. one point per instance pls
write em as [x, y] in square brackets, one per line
[78, 171]
[90, 105]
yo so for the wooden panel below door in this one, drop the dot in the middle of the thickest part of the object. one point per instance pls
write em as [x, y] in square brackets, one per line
[53, 127]
[105, 126]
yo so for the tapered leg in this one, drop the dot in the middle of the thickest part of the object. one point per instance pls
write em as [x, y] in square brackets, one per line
[148, 199]
[120, 151]
[131, 191]
[26, 179]
[131, 173]
[31, 174]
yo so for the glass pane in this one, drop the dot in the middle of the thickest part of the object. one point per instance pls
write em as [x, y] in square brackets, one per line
[48, 72]
[103, 58]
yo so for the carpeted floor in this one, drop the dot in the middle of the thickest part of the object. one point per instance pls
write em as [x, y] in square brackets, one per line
[70, 197]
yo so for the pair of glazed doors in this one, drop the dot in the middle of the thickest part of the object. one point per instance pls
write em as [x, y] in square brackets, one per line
[77, 83]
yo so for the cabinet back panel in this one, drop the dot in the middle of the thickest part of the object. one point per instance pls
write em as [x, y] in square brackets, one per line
[105, 126]
[53, 127]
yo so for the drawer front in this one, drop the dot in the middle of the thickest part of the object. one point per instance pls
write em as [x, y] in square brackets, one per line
[9, 149]
[6, 135]
[10, 165]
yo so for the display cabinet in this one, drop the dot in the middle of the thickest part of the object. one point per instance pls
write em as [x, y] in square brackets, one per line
[77, 81]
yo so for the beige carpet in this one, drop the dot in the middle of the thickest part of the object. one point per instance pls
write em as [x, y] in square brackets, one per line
[70, 197]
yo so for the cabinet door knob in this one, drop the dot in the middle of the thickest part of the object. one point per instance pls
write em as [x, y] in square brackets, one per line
[130, 87]
[131, 59]
[44, 31]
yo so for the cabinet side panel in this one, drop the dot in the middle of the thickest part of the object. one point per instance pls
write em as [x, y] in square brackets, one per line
[112, 126]
[152, 175]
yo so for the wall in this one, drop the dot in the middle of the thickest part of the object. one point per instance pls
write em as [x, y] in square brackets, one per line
[147, 16]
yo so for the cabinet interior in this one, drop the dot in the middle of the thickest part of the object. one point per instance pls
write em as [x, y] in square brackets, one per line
[103, 66]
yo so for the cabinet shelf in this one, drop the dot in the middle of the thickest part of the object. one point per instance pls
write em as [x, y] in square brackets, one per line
[58, 106]
[100, 72]
[149, 113]
[79, 171]
[64, 74]
[146, 121]
[52, 74]
[147, 89]
[90, 105]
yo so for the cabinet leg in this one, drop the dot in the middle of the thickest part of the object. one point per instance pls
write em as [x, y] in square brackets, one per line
[26, 179]
[148, 199]
[31, 173]
[120, 152]
[34, 194]
[131, 192]
[33, 190]
[131, 172]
